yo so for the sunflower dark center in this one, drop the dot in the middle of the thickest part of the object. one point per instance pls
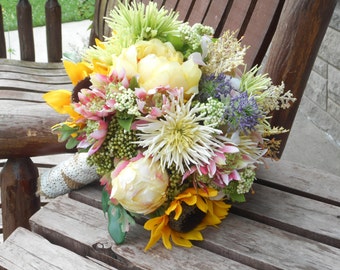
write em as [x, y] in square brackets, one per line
[85, 83]
[191, 216]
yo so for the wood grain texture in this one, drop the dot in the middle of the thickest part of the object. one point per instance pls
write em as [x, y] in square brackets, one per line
[27, 251]
[25, 30]
[303, 216]
[260, 245]
[25, 130]
[83, 229]
[302, 180]
[238, 238]
[3, 51]
[53, 31]
[295, 45]
[18, 193]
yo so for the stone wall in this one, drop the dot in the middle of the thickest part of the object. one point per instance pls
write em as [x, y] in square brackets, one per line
[321, 100]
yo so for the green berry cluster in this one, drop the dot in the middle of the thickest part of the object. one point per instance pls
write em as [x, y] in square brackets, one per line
[193, 36]
[118, 144]
[214, 112]
[175, 184]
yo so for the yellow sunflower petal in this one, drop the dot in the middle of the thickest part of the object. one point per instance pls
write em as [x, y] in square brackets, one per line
[190, 200]
[194, 234]
[172, 207]
[77, 71]
[156, 226]
[178, 211]
[201, 204]
[58, 100]
[166, 237]
[178, 240]
[221, 209]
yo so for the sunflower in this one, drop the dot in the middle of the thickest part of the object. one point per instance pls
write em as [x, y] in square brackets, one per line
[189, 213]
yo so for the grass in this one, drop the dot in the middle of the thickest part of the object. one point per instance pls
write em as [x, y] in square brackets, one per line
[71, 10]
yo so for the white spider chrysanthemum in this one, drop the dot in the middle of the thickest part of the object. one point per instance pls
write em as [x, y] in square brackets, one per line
[179, 138]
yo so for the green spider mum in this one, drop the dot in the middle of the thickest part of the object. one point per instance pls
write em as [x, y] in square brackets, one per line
[134, 22]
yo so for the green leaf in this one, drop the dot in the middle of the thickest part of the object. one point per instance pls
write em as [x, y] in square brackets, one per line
[176, 41]
[125, 123]
[235, 197]
[105, 200]
[71, 143]
[65, 132]
[133, 83]
[114, 225]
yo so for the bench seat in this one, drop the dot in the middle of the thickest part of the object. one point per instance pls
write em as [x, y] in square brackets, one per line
[275, 229]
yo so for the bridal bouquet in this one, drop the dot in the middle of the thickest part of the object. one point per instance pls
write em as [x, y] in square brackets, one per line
[171, 119]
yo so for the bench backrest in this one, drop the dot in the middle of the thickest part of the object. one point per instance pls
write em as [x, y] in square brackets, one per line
[25, 31]
[286, 34]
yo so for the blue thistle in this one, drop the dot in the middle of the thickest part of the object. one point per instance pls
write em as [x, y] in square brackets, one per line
[218, 87]
[242, 113]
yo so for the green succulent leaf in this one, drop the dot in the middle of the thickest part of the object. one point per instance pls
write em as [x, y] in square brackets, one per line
[105, 200]
[71, 143]
[114, 224]
[125, 123]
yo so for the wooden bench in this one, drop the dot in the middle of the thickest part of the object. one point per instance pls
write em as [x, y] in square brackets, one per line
[291, 222]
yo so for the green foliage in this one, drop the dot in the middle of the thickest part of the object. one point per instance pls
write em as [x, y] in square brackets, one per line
[119, 219]
[71, 10]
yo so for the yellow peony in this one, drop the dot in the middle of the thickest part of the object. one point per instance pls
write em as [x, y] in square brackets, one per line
[158, 64]
[139, 186]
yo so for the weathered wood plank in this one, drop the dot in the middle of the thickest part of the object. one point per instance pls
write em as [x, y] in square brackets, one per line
[33, 76]
[303, 216]
[32, 65]
[83, 229]
[266, 247]
[198, 11]
[258, 32]
[33, 86]
[24, 132]
[169, 4]
[257, 244]
[26, 250]
[90, 195]
[217, 10]
[300, 179]
[289, 59]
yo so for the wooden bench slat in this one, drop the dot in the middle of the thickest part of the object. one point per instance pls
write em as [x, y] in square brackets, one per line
[30, 97]
[29, 64]
[27, 250]
[253, 243]
[184, 8]
[298, 179]
[42, 87]
[217, 10]
[33, 77]
[24, 133]
[81, 228]
[262, 18]
[241, 239]
[306, 217]
[169, 4]
[200, 7]
[238, 12]
[266, 247]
